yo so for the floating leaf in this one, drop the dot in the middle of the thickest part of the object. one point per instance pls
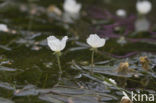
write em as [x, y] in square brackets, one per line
[6, 86]
[2, 68]
[4, 100]
[26, 91]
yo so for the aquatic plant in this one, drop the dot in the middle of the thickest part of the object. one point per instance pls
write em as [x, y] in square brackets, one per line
[57, 46]
[72, 9]
[124, 68]
[3, 28]
[71, 6]
[27, 75]
[121, 13]
[143, 7]
[117, 27]
[95, 42]
[144, 62]
[110, 82]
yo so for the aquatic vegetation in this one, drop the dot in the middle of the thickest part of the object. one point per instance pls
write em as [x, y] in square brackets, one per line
[29, 73]
[95, 42]
[144, 7]
[142, 25]
[71, 6]
[57, 46]
[123, 26]
[124, 68]
[72, 9]
[4, 100]
[106, 24]
[52, 9]
[121, 13]
[110, 82]
[145, 62]
[3, 28]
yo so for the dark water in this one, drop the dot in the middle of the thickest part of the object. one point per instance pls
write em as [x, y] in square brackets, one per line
[28, 68]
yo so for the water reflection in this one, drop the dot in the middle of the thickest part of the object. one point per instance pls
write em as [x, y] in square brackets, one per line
[72, 9]
[142, 24]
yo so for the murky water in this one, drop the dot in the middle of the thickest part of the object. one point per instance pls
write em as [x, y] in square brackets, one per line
[28, 68]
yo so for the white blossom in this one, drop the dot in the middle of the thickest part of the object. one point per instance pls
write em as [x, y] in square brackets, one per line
[56, 44]
[121, 13]
[95, 41]
[3, 28]
[143, 7]
[71, 6]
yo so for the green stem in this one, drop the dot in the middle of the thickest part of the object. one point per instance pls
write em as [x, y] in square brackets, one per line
[59, 65]
[92, 60]
[45, 81]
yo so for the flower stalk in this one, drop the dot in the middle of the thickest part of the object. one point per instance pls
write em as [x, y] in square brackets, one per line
[58, 54]
[92, 60]
[57, 46]
[95, 42]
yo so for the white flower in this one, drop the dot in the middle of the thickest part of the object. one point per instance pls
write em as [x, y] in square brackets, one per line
[3, 28]
[56, 44]
[125, 98]
[71, 6]
[121, 13]
[95, 41]
[143, 7]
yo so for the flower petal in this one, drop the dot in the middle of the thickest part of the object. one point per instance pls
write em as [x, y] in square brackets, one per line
[95, 41]
[63, 42]
[56, 44]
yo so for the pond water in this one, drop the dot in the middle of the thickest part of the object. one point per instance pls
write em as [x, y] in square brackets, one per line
[29, 70]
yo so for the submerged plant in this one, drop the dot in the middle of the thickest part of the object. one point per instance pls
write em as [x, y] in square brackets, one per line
[144, 62]
[110, 82]
[124, 68]
[117, 26]
[57, 46]
[95, 42]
